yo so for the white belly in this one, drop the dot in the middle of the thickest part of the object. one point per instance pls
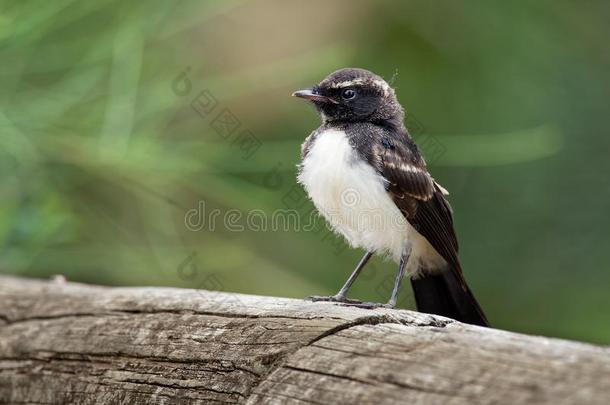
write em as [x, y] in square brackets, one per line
[351, 195]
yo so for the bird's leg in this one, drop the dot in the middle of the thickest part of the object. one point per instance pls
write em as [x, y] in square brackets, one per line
[399, 276]
[341, 296]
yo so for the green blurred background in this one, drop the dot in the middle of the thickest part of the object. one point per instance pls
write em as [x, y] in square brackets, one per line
[106, 143]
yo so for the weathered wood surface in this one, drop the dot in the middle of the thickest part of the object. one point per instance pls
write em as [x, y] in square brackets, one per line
[72, 343]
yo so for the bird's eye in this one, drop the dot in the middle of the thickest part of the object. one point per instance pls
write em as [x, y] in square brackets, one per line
[348, 94]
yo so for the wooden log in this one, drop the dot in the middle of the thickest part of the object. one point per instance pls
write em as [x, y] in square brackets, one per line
[72, 343]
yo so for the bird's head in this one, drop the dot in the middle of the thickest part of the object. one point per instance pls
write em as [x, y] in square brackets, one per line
[354, 95]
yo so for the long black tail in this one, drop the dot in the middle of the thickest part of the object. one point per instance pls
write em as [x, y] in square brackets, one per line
[446, 294]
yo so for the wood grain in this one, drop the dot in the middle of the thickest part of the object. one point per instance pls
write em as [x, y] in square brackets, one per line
[73, 343]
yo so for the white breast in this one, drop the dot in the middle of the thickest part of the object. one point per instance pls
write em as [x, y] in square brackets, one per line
[351, 195]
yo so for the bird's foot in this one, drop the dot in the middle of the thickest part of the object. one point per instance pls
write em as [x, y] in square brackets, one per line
[343, 300]
[332, 298]
[389, 305]
[370, 305]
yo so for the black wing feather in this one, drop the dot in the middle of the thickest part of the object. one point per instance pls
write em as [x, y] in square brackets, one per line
[422, 201]
[434, 220]
[417, 195]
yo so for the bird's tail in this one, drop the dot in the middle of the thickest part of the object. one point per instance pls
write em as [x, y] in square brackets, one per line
[446, 293]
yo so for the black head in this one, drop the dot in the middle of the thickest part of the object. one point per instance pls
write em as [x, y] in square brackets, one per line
[354, 95]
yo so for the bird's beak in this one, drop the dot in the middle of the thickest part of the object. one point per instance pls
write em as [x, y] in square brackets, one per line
[311, 95]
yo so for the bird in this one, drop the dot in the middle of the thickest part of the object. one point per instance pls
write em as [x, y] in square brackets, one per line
[369, 180]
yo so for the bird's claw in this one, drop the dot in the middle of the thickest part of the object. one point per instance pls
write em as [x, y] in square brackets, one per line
[371, 305]
[349, 302]
[330, 298]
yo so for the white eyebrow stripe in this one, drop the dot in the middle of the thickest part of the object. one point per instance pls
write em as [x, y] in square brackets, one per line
[348, 83]
[382, 84]
[379, 83]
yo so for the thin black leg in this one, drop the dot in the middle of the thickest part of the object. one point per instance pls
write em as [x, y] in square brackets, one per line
[342, 294]
[398, 282]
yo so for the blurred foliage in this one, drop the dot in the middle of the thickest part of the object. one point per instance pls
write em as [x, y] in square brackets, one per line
[102, 153]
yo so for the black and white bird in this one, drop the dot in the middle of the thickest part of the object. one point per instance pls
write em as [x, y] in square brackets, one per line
[367, 177]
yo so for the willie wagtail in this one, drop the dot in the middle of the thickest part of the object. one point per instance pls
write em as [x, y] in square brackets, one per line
[369, 180]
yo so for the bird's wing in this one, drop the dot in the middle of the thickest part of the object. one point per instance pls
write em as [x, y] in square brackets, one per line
[422, 202]
[405, 177]
[419, 197]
